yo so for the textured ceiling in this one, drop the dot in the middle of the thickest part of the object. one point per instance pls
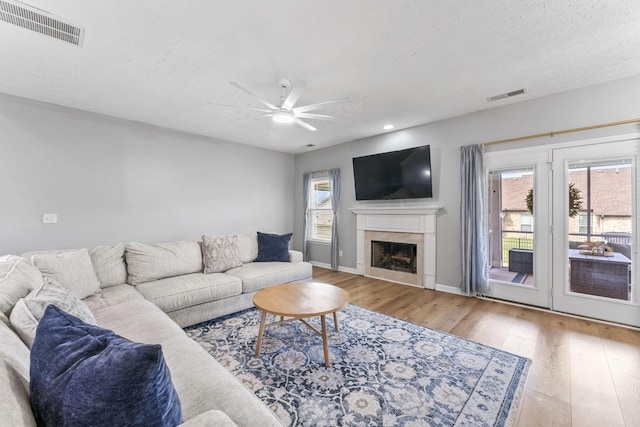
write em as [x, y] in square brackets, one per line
[168, 63]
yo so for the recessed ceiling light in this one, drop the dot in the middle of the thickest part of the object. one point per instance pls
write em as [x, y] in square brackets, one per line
[388, 127]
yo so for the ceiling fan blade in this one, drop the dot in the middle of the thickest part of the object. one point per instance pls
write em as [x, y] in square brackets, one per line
[295, 93]
[304, 124]
[319, 105]
[248, 92]
[318, 116]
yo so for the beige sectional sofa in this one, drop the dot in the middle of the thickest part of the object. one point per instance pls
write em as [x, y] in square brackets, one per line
[147, 293]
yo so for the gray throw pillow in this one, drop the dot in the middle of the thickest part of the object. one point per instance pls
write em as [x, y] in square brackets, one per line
[220, 253]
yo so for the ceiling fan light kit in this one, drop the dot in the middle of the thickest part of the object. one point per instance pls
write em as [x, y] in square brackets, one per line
[285, 112]
[283, 116]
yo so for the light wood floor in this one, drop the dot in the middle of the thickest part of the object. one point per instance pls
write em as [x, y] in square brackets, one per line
[584, 373]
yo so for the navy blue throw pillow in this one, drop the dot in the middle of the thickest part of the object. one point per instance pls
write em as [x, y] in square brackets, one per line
[84, 375]
[273, 247]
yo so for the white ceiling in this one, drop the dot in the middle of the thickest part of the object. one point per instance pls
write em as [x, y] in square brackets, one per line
[168, 62]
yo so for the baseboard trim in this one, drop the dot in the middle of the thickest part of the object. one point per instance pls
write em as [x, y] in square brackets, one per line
[449, 289]
[560, 313]
[442, 288]
[328, 267]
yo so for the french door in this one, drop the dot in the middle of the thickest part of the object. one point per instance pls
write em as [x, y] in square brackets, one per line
[518, 221]
[562, 228]
[595, 221]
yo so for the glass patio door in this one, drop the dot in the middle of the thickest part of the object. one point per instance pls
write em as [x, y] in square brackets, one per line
[518, 221]
[594, 227]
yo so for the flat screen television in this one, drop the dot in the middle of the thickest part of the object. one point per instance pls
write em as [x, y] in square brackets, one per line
[403, 174]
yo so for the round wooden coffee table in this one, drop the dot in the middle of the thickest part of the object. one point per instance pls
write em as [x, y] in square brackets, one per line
[300, 300]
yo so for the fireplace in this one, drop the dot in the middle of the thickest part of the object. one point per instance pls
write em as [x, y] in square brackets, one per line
[411, 232]
[398, 257]
[394, 256]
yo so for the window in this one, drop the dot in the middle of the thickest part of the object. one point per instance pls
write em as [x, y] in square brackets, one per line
[320, 221]
[582, 224]
[526, 222]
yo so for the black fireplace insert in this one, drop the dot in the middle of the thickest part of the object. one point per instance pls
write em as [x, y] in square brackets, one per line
[394, 256]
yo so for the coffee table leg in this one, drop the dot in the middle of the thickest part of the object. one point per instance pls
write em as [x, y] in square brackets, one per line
[325, 341]
[335, 321]
[260, 332]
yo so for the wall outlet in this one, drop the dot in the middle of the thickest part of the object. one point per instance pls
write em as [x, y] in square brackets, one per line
[49, 218]
[340, 252]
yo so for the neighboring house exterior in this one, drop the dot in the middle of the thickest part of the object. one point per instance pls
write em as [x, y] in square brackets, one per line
[610, 202]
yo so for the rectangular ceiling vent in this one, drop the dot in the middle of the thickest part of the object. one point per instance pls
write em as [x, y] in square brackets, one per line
[42, 22]
[506, 95]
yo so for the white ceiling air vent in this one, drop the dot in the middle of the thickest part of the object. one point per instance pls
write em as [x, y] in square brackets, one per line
[506, 95]
[42, 22]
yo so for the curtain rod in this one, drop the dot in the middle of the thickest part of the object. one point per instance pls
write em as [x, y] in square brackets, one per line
[558, 132]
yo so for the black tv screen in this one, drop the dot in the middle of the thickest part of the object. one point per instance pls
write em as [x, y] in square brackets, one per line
[403, 174]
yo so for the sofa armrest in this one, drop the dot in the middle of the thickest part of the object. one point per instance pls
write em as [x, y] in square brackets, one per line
[211, 418]
[295, 256]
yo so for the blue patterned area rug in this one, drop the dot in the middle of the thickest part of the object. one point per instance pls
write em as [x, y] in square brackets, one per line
[384, 371]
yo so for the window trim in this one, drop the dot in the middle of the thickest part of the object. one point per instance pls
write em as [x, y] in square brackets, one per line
[316, 177]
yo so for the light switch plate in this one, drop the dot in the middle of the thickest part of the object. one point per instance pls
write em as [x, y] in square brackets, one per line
[49, 218]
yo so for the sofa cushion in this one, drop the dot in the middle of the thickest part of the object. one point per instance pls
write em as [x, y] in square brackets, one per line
[201, 382]
[108, 262]
[72, 268]
[29, 310]
[18, 277]
[152, 262]
[174, 293]
[86, 375]
[247, 247]
[198, 376]
[273, 247]
[138, 320]
[220, 253]
[111, 296]
[258, 275]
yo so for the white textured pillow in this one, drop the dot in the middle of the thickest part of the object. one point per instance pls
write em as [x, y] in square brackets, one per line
[220, 253]
[29, 310]
[73, 268]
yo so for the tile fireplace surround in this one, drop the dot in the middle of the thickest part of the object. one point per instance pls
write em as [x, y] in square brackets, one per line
[398, 224]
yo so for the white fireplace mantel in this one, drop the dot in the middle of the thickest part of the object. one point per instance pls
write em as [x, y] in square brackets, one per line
[425, 210]
[401, 219]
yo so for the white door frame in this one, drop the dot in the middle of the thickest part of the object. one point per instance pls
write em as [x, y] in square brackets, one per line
[539, 293]
[626, 312]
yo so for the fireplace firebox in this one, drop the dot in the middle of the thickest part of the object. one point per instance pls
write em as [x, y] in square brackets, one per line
[394, 256]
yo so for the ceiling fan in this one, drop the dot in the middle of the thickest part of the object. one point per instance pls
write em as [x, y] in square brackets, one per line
[286, 112]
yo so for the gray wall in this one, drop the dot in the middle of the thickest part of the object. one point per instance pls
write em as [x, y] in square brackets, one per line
[604, 103]
[111, 180]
